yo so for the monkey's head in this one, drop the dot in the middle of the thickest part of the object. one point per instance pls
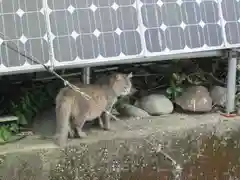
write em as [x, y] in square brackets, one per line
[121, 83]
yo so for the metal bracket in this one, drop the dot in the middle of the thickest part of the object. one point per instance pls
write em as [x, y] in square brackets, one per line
[235, 52]
[233, 55]
[86, 73]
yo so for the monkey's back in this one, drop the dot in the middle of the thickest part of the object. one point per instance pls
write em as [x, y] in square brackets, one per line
[89, 108]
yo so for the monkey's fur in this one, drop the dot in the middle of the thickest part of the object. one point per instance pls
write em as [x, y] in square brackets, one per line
[73, 110]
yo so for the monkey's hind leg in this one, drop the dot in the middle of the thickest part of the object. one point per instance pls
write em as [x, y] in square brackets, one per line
[100, 122]
[63, 113]
[71, 132]
[79, 121]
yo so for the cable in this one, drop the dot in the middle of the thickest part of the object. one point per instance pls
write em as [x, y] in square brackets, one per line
[34, 59]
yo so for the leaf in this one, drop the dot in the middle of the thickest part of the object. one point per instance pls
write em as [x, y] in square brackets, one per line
[14, 128]
[169, 90]
[1, 139]
[5, 134]
[179, 89]
[13, 104]
[189, 80]
[175, 76]
[28, 100]
[175, 94]
[183, 76]
[22, 119]
[169, 96]
[35, 110]
[24, 106]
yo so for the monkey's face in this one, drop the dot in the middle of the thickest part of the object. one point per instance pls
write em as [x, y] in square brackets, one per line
[121, 84]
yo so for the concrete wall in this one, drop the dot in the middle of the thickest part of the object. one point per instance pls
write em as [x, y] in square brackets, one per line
[110, 155]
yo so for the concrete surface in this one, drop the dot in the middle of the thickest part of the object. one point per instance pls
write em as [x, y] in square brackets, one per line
[131, 145]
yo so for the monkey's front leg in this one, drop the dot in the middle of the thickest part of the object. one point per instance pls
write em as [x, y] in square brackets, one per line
[100, 122]
[107, 118]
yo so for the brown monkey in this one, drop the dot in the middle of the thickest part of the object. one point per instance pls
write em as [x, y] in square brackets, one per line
[72, 106]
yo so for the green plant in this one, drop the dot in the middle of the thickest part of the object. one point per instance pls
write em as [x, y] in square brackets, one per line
[6, 131]
[175, 89]
[174, 92]
[32, 101]
[196, 78]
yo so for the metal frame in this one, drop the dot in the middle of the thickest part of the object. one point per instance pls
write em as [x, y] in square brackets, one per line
[38, 68]
[86, 75]
[233, 56]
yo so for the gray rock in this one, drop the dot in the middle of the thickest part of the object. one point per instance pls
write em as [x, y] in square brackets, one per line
[131, 111]
[155, 104]
[219, 95]
[195, 99]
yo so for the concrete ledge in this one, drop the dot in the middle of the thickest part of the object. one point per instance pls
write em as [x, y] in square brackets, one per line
[132, 144]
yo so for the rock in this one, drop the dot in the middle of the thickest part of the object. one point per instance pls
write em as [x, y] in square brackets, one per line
[195, 99]
[155, 104]
[219, 95]
[132, 111]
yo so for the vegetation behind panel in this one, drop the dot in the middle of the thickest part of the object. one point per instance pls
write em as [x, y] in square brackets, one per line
[25, 98]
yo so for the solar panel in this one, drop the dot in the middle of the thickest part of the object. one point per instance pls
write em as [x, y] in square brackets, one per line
[23, 22]
[175, 26]
[231, 22]
[94, 30]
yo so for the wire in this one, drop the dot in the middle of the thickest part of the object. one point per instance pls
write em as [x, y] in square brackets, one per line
[34, 59]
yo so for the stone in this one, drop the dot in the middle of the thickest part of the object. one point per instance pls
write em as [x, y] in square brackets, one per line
[155, 104]
[131, 111]
[195, 99]
[219, 95]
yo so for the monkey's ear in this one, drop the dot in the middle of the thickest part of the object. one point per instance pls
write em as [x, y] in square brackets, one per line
[118, 77]
[130, 75]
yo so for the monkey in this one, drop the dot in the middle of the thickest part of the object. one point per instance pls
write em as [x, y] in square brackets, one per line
[73, 109]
